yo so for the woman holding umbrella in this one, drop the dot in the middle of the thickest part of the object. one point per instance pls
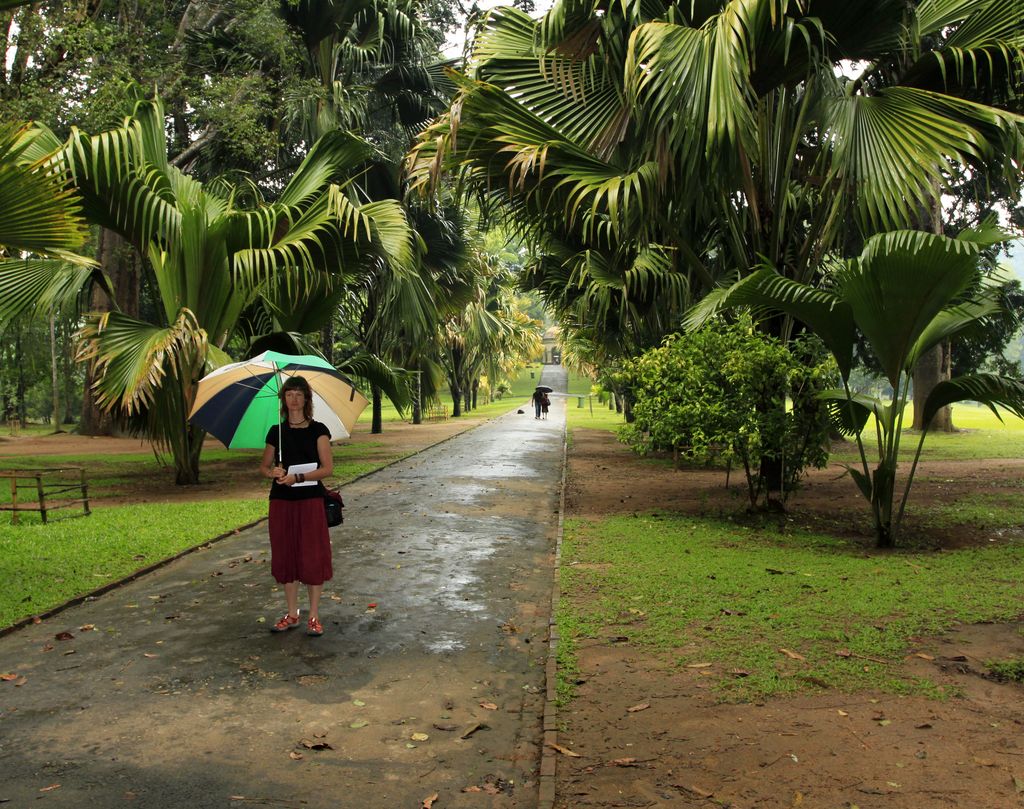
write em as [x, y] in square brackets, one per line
[297, 457]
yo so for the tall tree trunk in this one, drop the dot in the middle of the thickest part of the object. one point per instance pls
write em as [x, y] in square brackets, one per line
[935, 366]
[455, 383]
[327, 340]
[476, 390]
[121, 264]
[54, 376]
[19, 387]
[377, 425]
[417, 400]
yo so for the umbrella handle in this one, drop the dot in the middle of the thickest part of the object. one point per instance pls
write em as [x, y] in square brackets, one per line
[280, 448]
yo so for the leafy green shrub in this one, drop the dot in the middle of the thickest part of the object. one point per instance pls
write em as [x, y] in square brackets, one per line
[722, 392]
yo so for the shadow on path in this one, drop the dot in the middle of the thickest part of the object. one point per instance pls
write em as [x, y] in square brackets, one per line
[429, 678]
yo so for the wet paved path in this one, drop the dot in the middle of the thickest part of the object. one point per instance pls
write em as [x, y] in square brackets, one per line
[435, 620]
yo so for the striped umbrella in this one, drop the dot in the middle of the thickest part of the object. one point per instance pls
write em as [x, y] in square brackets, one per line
[239, 403]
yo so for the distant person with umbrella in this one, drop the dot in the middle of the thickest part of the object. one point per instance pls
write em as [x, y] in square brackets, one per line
[297, 457]
[540, 396]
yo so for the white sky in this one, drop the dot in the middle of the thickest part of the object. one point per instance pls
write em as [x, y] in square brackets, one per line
[453, 47]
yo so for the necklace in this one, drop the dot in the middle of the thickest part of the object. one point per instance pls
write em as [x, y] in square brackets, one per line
[296, 423]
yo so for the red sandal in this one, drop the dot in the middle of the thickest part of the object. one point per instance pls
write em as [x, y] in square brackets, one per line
[287, 622]
[314, 627]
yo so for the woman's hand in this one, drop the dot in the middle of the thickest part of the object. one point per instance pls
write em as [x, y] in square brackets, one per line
[278, 473]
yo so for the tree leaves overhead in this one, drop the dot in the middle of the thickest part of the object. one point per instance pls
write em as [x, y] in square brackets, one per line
[39, 213]
[729, 133]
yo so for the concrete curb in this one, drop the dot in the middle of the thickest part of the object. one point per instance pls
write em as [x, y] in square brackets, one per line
[548, 755]
[206, 543]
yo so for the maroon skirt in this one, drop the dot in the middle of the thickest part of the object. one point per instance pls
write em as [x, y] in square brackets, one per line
[300, 545]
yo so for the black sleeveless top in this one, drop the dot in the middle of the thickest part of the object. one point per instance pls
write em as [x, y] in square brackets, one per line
[298, 446]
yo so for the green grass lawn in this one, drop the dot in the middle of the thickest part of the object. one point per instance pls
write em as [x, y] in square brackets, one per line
[711, 591]
[44, 565]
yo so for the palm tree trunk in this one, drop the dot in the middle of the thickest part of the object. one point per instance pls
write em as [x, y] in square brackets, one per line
[121, 264]
[54, 376]
[934, 367]
[186, 465]
[327, 341]
[417, 400]
[377, 425]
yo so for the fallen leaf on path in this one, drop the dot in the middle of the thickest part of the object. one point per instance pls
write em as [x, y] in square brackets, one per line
[844, 653]
[87, 627]
[309, 744]
[923, 726]
[792, 655]
[36, 619]
[8, 677]
[359, 703]
[565, 751]
[359, 723]
[489, 789]
[446, 727]
[694, 790]
[1018, 784]
[64, 636]
[46, 647]
[149, 654]
[50, 788]
[624, 762]
[643, 706]
[739, 672]
[295, 756]
[472, 729]
[924, 656]
[490, 706]
[699, 665]
[428, 802]
[419, 737]
[842, 713]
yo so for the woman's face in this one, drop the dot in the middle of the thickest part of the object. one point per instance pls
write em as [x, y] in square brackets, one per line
[295, 399]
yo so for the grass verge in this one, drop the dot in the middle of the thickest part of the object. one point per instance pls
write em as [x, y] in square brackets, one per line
[773, 613]
[45, 565]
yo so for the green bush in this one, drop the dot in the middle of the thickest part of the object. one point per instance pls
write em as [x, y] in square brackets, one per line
[723, 392]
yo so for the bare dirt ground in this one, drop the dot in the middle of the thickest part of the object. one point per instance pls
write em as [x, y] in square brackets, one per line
[868, 750]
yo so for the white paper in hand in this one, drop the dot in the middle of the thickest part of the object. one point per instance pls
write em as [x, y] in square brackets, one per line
[302, 469]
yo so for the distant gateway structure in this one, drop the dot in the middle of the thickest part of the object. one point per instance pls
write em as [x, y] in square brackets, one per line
[552, 351]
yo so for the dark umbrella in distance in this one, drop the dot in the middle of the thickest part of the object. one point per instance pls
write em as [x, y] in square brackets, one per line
[544, 389]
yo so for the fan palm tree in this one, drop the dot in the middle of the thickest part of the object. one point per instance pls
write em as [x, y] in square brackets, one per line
[663, 147]
[906, 292]
[657, 150]
[210, 259]
[39, 216]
